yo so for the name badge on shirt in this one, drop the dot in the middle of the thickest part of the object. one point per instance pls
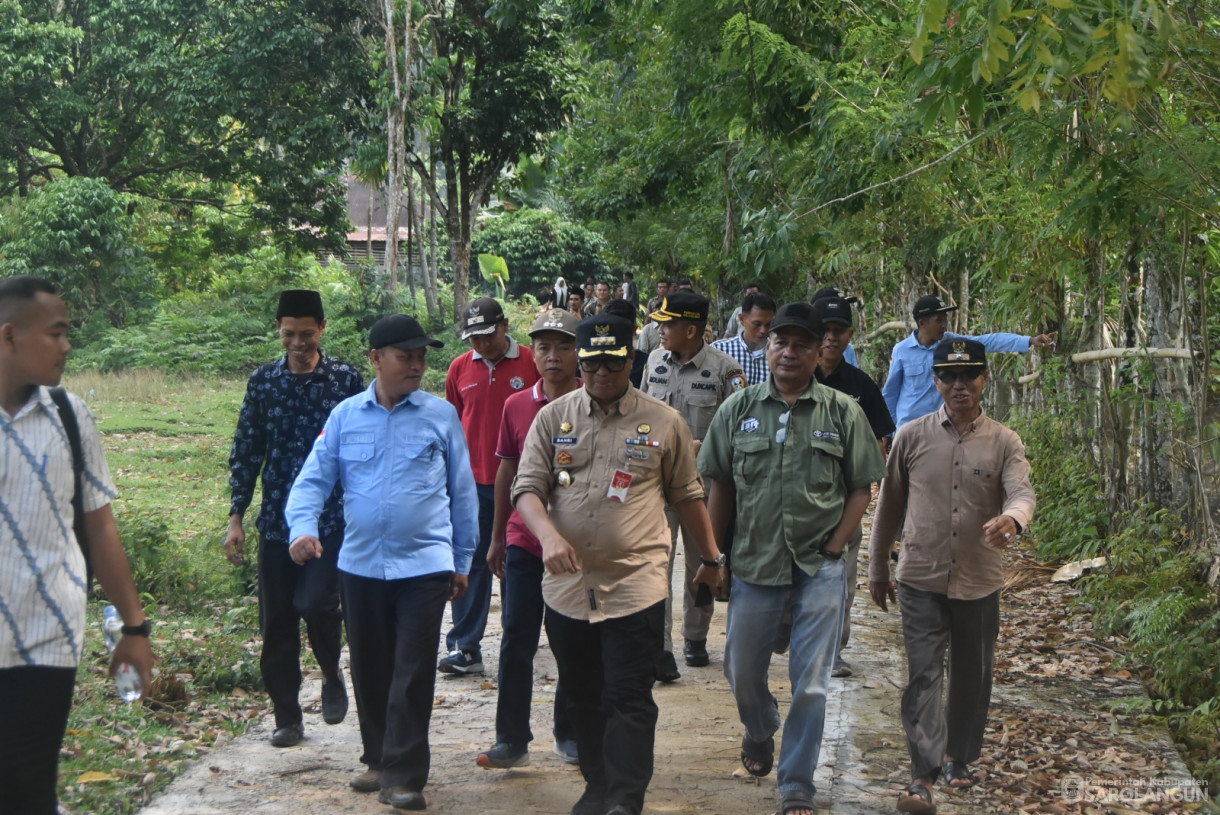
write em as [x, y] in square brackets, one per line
[563, 440]
[619, 486]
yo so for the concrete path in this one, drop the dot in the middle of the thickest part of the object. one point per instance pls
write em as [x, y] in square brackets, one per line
[864, 759]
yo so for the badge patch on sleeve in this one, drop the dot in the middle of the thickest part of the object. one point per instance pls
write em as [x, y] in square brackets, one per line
[737, 381]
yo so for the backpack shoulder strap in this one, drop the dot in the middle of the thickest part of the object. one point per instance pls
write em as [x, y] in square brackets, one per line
[72, 429]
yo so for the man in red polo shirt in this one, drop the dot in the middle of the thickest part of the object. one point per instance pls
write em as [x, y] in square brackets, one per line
[477, 384]
[516, 555]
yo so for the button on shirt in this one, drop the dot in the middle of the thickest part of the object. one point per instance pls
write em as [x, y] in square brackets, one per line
[910, 391]
[793, 470]
[42, 570]
[622, 545]
[280, 417]
[409, 498]
[694, 388]
[478, 389]
[946, 487]
[753, 363]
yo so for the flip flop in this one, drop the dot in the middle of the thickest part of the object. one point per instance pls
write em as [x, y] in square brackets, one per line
[761, 753]
[918, 799]
[957, 774]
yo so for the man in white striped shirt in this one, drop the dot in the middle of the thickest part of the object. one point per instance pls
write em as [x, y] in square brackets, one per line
[42, 568]
[749, 346]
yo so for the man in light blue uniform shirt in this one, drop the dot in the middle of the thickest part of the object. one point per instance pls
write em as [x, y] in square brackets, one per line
[910, 391]
[410, 512]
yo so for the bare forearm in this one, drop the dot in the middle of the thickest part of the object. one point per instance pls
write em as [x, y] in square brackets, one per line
[111, 566]
[504, 507]
[853, 512]
[694, 517]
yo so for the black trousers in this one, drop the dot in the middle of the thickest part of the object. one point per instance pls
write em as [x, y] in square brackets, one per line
[393, 630]
[288, 593]
[33, 717]
[931, 625]
[607, 669]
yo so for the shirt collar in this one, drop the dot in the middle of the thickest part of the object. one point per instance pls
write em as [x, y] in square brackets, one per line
[623, 406]
[697, 359]
[323, 366]
[942, 416]
[814, 392]
[514, 351]
[369, 397]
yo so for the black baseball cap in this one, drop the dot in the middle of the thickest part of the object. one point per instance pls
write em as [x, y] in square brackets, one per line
[400, 331]
[604, 335]
[833, 310]
[929, 305]
[831, 291]
[683, 305]
[481, 316]
[798, 315]
[959, 353]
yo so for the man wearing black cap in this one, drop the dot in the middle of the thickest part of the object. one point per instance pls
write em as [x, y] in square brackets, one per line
[796, 460]
[286, 405]
[957, 483]
[835, 372]
[598, 467]
[477, 384]
[849, 354]
[693, 378]
[909, 390]
[410, 508]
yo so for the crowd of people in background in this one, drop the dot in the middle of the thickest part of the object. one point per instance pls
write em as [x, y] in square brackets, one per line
[576, 471]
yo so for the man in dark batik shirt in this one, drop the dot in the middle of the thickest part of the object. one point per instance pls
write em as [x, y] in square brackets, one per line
[287, 403]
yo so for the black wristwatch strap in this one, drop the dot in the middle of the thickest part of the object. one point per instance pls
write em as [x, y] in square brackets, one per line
[830, 555]
[715, 564]
[144, 629]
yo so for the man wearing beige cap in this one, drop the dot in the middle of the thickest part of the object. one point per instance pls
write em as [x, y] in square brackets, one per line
[515, 555]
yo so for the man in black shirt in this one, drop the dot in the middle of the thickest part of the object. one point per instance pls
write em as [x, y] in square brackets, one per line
[834, 372]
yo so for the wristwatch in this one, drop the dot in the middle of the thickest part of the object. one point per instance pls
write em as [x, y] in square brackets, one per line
[830, 555]
[144, 629]
[717, 563]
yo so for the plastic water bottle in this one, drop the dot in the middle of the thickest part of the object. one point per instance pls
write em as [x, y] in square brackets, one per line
[126, 677]
[112, 627]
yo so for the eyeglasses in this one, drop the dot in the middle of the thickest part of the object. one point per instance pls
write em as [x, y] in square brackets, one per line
[781, 435]
[950, 377]
[612, 364]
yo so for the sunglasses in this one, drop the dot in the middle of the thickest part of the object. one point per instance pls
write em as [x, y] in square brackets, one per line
[950, 377]
[612, 364]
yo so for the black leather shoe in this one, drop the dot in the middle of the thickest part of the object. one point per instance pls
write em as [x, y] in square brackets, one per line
[367, 781]
[402, 798]
[288, 736]
[334, 702]
[590, 803]
[695, 653]
[666, 669]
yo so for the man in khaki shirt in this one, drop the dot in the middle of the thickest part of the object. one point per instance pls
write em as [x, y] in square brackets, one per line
[694, 379]
[598, 467]
[957, 484]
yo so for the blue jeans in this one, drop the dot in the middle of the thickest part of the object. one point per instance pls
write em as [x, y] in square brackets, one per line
[521, 617]
[470, 610]
[817, 619]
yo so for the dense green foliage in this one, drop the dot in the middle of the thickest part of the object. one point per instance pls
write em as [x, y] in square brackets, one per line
[540, 246]
[243, 106]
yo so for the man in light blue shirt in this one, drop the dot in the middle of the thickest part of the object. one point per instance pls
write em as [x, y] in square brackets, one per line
[410, 512]
[910, 391]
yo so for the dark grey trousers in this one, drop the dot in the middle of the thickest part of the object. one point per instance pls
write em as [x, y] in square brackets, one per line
[967, 629]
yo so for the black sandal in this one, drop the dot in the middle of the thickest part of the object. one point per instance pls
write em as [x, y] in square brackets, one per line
[957, 774]
[918, 799]
[760, 753]
[796, 801]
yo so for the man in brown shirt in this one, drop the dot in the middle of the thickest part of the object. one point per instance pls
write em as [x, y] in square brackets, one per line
[957, 484]
[598, 467]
